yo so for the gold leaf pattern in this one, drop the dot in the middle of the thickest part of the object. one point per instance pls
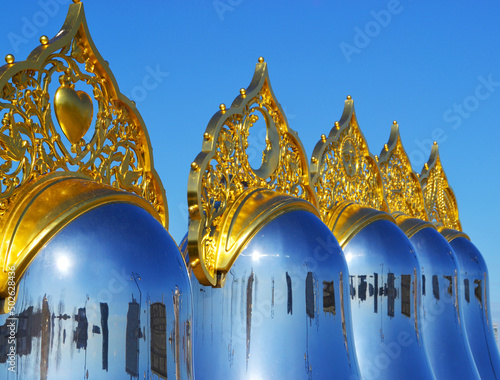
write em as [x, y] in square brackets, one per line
[222, 171]
[343, 169]
[439, 197]
[117, 150]
[402, 186]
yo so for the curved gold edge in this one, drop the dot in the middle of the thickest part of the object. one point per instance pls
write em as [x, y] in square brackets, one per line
[74, 23]
[45, 208]
[348, 117]
[349, 218]
[411, 225]
[451, 234]
[253, 210]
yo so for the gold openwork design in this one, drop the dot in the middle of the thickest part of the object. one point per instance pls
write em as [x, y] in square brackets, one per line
[62, 111]
[401, 184]
[343, 169]
[221, 172]
[439, 197]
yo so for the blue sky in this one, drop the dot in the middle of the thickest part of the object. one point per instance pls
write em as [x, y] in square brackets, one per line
[433, 67]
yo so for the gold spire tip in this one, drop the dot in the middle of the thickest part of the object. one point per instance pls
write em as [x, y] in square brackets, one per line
[9, 58]
[261, 59]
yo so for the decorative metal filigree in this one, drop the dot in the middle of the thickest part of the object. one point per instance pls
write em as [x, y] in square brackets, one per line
[439, 197]
[60, 75]
[401, 184]
[222, 172]
[343, 169]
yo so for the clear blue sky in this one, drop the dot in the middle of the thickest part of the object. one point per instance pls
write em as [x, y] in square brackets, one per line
[433, 67]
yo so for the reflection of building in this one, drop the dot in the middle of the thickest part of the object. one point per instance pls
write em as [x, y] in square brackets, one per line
[132, 339]
[105, 334]
[495, 331]
[159, 339]
[80, 335]
[44, 352]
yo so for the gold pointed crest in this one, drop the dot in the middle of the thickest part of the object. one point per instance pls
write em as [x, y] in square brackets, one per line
[62, 111]
[222, 175]
[439, 197]
[401, 184]
[343, 169]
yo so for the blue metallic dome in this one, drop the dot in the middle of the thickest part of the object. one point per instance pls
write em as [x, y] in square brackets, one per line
[385, 292]
[474, 288]
[442, 315]
[283, 312]
[108, 297]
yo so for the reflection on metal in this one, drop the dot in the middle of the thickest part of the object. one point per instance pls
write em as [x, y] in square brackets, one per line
[132, 339]
[105, 334]
[158, 339]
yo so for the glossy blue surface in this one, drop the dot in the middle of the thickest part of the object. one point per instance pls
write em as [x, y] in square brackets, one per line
[280, 314]
[477, 315]
[442, 314]
[385, 294]
[107, 298]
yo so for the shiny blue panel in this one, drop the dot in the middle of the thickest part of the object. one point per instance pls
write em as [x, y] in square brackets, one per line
[107, 298]
[442, 315]
[476, 307]
[280, 314]
[384, 290]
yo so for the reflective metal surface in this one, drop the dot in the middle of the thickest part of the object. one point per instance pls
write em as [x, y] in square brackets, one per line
[107, 298]
[442, 314]
[476, 307]
[283, 312]
[385, 298]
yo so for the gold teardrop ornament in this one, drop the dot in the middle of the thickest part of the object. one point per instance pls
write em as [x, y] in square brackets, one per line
[74, 111]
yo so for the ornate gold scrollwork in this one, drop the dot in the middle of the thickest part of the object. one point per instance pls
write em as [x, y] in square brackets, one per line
[401, 184]
[68, 75]
[343, 169]
[222, 179]
[439, 197]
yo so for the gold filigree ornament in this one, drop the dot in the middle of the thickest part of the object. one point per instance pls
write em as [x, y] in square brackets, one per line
[346, 178]
[402, 186]
[63, 117]
[439, 197]
[228, 199]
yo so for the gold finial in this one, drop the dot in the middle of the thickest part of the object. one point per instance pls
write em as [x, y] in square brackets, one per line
[349, 97]
[261, 59]
[314, 160]
[346, 170]
[401, 185]
[76, 1]
[439, 197]
[243, 92]
[323, 138]
[207, 136]
[376, 158]
[435, 143]
[70, 143]
[194, 166]
[222, 107]
[44, 40]
[394, 122]
[227, 182]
